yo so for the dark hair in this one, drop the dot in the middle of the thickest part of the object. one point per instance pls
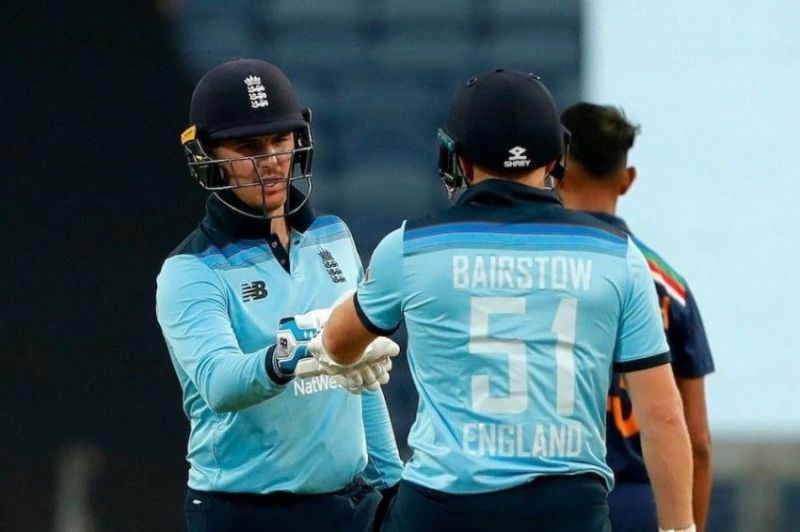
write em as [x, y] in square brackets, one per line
[601, 136]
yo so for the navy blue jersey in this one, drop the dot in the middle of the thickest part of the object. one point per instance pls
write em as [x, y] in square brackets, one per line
[691, 357]
[516, 311]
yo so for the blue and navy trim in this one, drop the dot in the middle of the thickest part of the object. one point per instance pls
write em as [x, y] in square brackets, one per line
[226, 239]
[540, 236]
[368, 324]
[502, 213]
[643, 363]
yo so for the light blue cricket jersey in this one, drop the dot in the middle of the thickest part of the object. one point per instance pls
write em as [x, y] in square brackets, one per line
[516, 309]
[220, 297]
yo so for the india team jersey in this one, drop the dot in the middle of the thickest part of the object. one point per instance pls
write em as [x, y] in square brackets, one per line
[220, 298]
[691, 358]
[517, 310]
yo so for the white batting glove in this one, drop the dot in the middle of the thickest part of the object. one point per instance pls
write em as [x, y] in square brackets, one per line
[313, 319]
[370, 371]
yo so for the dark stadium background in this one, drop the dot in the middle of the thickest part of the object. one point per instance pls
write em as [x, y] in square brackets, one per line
[96, 194]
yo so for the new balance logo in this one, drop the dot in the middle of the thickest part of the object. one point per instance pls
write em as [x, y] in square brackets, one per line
[331, 266]
[256, 92]
[517, 158]
[254, 290]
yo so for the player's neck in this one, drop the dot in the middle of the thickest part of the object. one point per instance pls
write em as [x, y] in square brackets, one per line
[585, 197]
[535, 178]
[280, 228]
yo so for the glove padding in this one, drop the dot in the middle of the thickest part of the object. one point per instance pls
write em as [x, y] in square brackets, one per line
[292, 340]
[299, 352]
[370, 371]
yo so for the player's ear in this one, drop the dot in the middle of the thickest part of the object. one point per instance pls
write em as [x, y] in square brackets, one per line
[628, 177]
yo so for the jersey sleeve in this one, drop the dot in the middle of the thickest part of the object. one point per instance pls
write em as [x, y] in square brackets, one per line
[356, 255]
[688, 342]
[383, 460]
[192, 312]
[379, 298]
[641, 342]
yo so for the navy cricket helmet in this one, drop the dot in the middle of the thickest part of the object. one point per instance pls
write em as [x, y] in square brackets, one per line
[238, 99]
[505, 121]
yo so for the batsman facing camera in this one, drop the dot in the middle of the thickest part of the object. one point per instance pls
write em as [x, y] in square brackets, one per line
[249, 140]
[262, 448]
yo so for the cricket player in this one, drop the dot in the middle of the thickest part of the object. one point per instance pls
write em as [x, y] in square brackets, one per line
[517, 311]
[267, 451]
[597, 175]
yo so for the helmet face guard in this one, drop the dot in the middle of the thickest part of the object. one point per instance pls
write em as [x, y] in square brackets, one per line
[210, 175]
[244, 99]
[450, 170]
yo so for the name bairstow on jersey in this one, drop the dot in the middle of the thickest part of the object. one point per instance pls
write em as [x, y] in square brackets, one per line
[524, 272]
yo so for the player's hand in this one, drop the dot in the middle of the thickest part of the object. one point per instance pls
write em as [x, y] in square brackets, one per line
[294, 334]
[292, 338]
[370, 371]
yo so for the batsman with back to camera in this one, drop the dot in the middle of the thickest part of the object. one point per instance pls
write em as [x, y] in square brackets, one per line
[597, 175]
[517, 310]
[267, 452]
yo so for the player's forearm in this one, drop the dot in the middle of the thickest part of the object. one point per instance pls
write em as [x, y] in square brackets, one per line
[692, 391]
[701, 488]
[234, 383]
[668, 456]
[665, 443]
[344, 336]
[341, 349]
[383, 460]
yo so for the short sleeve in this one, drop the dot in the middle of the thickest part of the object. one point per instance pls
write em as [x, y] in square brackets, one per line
[641, 342]
[380, 294]
[688, 342]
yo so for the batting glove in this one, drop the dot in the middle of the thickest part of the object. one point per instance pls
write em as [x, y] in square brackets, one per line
[292, 339]
[370, 371]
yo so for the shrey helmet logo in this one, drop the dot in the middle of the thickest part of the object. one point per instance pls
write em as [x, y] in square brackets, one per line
[517, 159]
[256, 92]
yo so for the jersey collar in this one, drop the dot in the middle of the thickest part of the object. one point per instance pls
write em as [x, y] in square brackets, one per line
[237, 224]
[610, 219]
[505, 192]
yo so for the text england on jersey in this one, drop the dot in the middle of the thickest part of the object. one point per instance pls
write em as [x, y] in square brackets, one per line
[518, 440]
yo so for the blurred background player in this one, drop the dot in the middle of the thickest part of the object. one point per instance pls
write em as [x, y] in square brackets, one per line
[264, 452]
[516, 311]
[597, 175]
